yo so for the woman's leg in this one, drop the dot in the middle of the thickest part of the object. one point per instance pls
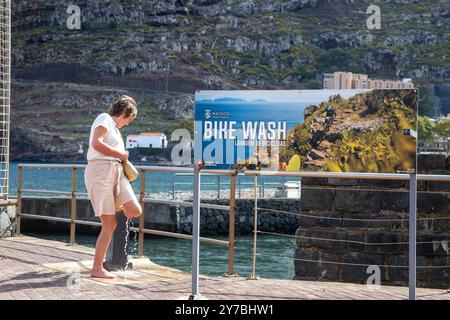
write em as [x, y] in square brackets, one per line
[109, 223]
[132, 209]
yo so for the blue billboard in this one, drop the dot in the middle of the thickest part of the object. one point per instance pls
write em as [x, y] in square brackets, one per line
[316, 130]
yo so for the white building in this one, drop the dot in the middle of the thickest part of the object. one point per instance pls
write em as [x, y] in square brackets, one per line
[147, 140]
[435, 145]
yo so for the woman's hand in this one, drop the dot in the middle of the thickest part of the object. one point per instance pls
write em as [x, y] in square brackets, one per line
[99, 145]
[123, 155]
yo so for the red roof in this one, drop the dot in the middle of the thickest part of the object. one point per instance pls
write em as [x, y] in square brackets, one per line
[148, 134]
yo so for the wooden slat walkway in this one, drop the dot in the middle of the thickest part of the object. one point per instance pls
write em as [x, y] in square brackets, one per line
[32, 268]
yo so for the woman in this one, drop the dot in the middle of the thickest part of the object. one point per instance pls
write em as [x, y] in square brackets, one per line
[108, 188]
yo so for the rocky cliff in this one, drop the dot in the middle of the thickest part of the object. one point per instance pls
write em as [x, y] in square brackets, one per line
[162, 51]
[363, 133]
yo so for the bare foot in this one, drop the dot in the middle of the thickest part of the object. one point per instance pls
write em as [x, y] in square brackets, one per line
[102, 274]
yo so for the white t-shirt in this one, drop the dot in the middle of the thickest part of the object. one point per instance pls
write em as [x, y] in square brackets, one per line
[112, 138]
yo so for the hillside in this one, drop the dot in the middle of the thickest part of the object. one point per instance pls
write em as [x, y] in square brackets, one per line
[162, 51]
[361, 134]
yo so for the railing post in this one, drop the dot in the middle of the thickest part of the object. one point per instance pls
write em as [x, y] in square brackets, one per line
[73, 207]
[231, 225]
[196, 230]
[173, 186]
[218, 186]
[141, 217]
[19, 201]
[412, 235]
[255, 229]
[239, 182]
[259, 186]
[263, 185]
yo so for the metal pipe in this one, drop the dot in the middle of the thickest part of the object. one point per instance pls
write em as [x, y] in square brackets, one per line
[259, 186]
[255, 228]
[173, 186]
[47, 191]
[89, 223]
[182, 236]
[188, 204]
[217, 171]
[195, 231]
[432, 177]
[82, 194]
[73, 207]
[82, 166]
[231, 225]
[146, 231]
[350, 175]
[184, 170]
[239, 181]
[166, 169]
[19, 201]
[141, 217]
[412, 236]
[52, 166]
[263, 181]
[218, 187]
[39, 217]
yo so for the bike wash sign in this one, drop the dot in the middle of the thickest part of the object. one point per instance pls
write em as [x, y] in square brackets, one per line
[307, 130]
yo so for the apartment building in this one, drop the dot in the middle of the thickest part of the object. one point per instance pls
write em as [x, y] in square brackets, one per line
[349, 80]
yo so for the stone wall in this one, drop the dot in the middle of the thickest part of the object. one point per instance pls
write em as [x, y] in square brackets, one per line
[335, 200]
[214, 221]
[160, 217]
[7, 218]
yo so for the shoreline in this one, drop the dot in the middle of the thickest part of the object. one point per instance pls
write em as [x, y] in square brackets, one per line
[247, 193]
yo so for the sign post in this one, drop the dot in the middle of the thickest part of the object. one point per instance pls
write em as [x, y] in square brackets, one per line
[310, 130]
[412, 234]
[196, 230]
[255, 230]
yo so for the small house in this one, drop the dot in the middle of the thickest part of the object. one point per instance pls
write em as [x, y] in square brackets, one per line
[147, 140]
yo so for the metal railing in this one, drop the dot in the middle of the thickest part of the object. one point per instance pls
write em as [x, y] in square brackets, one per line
[73, 221]
[233, 175]
[218, 184]
[5, 95]
[412, 177]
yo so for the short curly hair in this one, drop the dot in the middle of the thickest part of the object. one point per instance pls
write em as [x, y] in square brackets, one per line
[125, 105]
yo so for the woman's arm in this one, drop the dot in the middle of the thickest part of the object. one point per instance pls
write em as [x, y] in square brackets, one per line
[99, 145]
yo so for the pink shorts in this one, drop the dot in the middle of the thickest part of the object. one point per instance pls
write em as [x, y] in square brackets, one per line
[108, 188]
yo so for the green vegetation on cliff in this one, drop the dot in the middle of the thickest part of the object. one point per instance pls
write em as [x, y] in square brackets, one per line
[373, 142]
